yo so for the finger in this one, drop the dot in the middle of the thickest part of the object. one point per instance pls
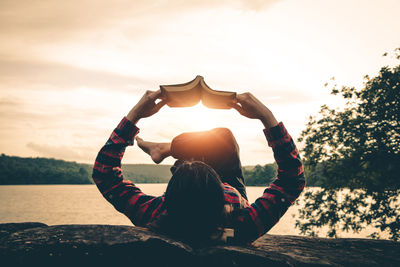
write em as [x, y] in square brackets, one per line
[238, 108]
[231, 103]
[149, 92]
[155, 94]
[240, 98]
[159, 105]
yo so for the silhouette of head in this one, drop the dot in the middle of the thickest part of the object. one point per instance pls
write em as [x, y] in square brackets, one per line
[194, 202]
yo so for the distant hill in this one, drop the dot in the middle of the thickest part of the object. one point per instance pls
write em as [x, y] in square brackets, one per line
[147, 173]
[17, 170]
[140, 173]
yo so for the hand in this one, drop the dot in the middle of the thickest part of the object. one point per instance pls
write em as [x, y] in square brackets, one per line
[146, 106]
[250, 107]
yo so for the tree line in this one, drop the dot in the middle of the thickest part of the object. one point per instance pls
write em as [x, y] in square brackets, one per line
[18, 171]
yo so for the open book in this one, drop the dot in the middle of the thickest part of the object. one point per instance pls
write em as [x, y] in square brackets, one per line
[190, 93]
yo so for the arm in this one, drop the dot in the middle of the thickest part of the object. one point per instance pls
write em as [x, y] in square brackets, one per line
[107, 174]
[265, 212]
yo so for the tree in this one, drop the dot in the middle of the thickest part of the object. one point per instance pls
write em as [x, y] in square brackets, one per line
[353, 154]
[16, 170]
[260, 175]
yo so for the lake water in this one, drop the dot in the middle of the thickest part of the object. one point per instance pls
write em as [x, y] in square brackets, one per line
[83, 204]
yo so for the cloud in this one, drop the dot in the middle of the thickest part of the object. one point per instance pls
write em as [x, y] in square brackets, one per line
[63, 152]
[258, 5]
[6, 102]
[27, 73]
[36, 75]
[12, 108]
[49, 19]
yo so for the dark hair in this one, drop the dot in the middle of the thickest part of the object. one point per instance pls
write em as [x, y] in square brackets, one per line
[195, 204]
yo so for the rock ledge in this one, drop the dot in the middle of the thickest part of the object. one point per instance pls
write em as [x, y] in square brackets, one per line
[36, 244]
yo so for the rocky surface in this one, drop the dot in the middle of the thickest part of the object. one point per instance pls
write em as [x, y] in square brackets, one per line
[35, 244]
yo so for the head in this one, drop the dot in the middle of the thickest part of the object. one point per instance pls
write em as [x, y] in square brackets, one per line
[195, 203]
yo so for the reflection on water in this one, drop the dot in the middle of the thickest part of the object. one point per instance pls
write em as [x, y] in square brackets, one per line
[83, 204]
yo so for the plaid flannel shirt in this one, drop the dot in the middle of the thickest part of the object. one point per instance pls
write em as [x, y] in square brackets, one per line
[248, 221]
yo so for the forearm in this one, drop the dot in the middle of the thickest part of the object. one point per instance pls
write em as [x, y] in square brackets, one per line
[290, 180]
[107, 173]
[104, 169]
[262, 215]
[268, 119]
[133, 116]
[111, 153]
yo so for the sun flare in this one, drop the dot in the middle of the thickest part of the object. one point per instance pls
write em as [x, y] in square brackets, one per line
[201, 118]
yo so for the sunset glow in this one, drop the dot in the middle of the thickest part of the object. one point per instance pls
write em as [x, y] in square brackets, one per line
[67, 76]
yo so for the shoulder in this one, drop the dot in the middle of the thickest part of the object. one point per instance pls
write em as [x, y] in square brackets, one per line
[150, 209]
[233, 197]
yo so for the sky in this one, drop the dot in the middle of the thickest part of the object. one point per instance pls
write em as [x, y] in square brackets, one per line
[70, 70]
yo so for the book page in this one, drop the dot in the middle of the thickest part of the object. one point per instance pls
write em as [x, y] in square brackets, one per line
[219, 100]
[216, 99]
[189, 94]
[183, 95]
[185, 98]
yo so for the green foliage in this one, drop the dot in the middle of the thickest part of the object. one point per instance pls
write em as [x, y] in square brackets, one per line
[16, 170]
[151, 173]
[357, 148]
[147, 173]
[260, 175]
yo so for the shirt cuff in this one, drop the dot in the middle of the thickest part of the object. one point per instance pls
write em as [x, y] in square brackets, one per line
[127, 130]
[277, 135]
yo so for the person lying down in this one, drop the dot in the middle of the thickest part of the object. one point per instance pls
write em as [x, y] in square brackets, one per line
[206, 193]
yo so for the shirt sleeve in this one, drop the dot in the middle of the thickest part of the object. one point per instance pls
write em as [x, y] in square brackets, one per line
[107, 175]
[254, 221]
